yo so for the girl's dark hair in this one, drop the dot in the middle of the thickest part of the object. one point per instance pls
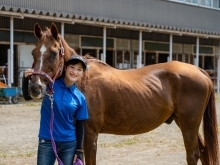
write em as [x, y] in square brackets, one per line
[73, 62]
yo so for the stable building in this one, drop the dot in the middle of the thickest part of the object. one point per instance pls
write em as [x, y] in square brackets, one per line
[125, 34]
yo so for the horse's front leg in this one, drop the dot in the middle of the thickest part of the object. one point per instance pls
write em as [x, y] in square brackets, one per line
[90, 146]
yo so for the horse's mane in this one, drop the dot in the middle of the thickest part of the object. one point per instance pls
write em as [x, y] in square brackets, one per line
[91, 58]
[48, 33]
[46, 30]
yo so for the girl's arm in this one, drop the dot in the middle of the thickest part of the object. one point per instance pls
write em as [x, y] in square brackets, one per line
[79, 138]
[25, 92]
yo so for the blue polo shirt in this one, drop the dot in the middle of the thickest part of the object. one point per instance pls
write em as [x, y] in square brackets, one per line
[69, 104]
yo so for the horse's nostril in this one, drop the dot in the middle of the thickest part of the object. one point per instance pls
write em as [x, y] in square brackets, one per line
[35, 89]
[39, 86]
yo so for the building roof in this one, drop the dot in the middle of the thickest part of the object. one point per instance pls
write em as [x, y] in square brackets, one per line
[20, 12]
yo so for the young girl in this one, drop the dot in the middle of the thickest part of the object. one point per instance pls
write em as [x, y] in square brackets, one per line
[70, 112]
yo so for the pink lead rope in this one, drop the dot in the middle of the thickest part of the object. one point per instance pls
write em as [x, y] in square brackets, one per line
[78, 161]
[51, 130]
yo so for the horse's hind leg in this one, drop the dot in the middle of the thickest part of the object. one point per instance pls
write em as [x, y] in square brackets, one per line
[189, 131]
[90, 146]
[203, 157]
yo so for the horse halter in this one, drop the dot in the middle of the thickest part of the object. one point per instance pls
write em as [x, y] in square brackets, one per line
[58, 72]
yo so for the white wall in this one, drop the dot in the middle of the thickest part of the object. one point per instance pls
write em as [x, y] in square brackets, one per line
[25, 58]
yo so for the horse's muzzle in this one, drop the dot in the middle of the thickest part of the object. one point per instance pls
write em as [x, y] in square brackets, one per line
[36, 90]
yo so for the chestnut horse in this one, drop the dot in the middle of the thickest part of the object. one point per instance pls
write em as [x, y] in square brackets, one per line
[128, 102]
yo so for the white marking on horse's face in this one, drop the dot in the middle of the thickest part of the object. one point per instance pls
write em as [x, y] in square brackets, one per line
[39, 82]
[42, 50]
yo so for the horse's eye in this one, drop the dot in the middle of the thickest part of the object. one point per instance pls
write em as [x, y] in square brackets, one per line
[53, 53]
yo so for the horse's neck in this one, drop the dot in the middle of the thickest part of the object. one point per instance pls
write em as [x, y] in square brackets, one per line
[68, 51]
[97, 71]
[98, 68]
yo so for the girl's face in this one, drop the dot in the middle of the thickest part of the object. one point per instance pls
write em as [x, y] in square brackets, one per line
[73, 73]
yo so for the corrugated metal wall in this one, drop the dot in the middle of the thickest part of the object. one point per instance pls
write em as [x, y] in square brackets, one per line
[150, 11]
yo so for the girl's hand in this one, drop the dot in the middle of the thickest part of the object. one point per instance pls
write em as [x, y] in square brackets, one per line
[74, 159]
[28, 72]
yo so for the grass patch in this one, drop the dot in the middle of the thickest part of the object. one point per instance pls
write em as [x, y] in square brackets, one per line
[125, 142]
[18, 155]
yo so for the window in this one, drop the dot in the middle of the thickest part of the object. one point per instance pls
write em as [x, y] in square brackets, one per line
[195, 1]
[205, 3]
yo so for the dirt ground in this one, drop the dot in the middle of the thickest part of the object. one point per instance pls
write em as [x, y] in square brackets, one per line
[19, 125]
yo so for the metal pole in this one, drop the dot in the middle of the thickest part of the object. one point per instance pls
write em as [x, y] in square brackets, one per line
[218, 75]
[139, 61]
[11, 66]
[218, 69]
[197, 51]
[62, 29]
[171, 48]
[104, 44]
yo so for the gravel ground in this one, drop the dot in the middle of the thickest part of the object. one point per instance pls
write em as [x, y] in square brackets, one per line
[19, 125]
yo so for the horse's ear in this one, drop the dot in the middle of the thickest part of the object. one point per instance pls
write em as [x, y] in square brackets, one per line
[37, 31]
[54, 31]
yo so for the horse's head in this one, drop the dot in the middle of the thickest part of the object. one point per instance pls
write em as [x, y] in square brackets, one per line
[48, 59]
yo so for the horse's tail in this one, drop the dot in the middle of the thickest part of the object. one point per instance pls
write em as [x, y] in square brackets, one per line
[210, 129]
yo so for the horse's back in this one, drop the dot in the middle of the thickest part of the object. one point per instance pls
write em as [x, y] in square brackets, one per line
[170, 77]
[182, 81]
[179, 74]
